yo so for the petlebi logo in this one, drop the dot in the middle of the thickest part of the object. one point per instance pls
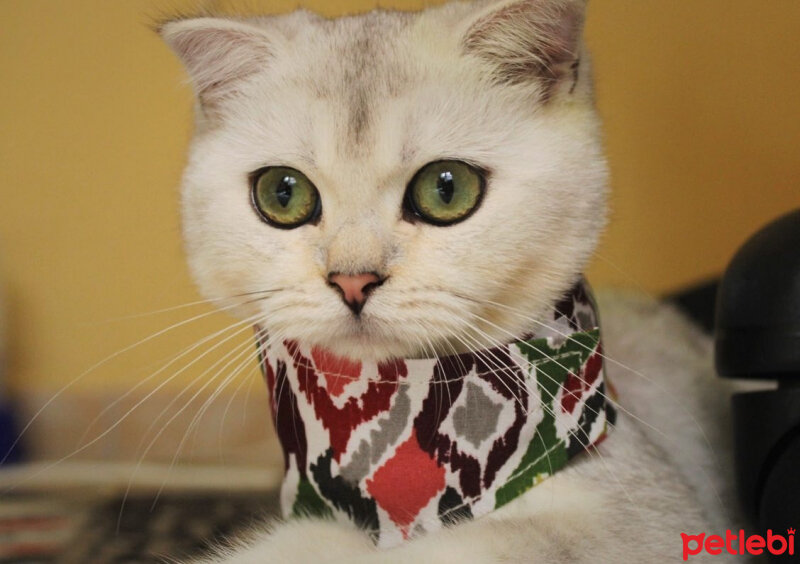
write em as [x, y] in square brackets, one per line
[739, 543]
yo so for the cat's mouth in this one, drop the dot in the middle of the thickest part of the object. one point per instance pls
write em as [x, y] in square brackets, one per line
[370, 337]
[372, 317]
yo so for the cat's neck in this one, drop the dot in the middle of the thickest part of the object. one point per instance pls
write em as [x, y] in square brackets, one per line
[410, 445]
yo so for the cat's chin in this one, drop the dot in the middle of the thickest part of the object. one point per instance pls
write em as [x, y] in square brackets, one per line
[374, 348]
[374, 339]
[369, 348]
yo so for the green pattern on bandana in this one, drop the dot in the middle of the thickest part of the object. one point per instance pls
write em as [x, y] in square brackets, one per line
[308, 503]
[547, 453]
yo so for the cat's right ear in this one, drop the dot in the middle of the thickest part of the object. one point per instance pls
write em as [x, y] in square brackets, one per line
[529, 41]
[218, 54]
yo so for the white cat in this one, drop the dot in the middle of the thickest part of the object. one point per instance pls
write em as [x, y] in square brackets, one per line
[414, 185]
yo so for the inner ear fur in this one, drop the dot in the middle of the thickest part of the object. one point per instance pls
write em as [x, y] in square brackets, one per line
[218, 54]
[529, 40]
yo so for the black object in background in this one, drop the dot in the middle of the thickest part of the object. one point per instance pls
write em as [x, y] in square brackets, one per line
[699, 302]
[758, 337]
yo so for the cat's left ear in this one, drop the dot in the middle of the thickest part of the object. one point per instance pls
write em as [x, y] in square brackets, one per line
[529, 40]
[218, 54]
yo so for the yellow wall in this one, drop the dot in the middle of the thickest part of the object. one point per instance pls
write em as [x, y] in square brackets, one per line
[699, 99]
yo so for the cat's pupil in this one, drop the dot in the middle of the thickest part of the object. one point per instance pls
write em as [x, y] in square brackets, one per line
[445, 187]
[283, 193]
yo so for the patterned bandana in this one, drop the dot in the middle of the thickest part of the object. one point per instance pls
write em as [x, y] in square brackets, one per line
[408, 446]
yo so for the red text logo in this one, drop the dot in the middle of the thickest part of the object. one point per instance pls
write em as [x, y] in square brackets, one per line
[734, 543]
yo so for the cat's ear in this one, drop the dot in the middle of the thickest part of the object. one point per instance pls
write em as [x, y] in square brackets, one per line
[529, 40]
[218, 54]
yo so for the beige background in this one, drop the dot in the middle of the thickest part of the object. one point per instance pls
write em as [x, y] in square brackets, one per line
[699, 100]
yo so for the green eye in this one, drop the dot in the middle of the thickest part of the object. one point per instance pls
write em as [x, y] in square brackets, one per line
[285, 197]
[445, 192]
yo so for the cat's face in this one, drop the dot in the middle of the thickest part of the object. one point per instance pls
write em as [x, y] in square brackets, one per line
[358, 107]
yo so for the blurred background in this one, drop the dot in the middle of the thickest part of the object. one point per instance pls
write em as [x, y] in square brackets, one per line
[701, 113]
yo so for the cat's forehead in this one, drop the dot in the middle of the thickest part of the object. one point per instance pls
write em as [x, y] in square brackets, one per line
[354, 48]
[365, 86]
[321, 96]
[353, 66]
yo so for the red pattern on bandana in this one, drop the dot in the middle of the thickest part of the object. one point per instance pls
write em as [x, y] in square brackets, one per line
[576, 385]
[406, 483]
[338, 371]
[341, 421]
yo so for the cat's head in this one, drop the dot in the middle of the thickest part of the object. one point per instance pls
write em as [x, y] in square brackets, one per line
[390, 183]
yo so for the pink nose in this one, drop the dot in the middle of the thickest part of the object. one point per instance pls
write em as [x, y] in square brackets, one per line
[355, 288]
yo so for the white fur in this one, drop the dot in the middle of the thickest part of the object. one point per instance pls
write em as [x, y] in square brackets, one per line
[359, 105]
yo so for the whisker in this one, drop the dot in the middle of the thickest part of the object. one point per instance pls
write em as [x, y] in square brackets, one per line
[208, 301]
[248, 379]
[248, 358]
[253, 355]
[144, 381]
[197, 378]
[176, 415]
[91, 369]
[626, 275]
[113, 426]
[247, 396]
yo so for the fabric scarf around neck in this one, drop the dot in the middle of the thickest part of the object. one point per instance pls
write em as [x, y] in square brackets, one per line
[408, 446]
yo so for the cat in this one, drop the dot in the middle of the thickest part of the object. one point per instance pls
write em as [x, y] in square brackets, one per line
[415, 185]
